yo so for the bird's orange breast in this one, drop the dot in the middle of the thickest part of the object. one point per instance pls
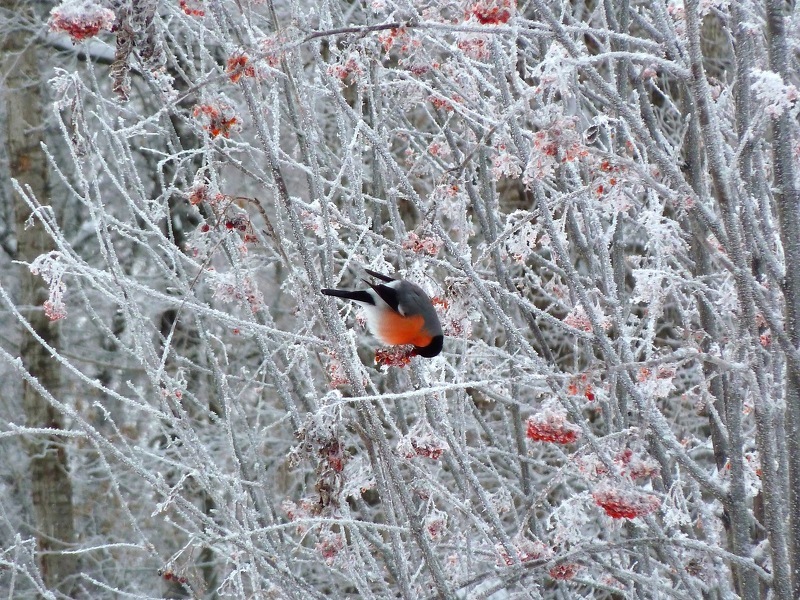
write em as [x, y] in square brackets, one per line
[397, 329]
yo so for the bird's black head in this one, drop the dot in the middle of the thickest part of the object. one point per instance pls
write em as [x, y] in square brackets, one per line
[431, 349]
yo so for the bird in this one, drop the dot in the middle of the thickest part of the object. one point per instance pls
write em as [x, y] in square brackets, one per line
[398, 313]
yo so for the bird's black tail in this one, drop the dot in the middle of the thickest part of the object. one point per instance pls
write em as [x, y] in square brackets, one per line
[357, 295]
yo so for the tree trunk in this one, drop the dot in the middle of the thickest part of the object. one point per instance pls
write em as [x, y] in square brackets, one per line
[50, 484]
[787, 199]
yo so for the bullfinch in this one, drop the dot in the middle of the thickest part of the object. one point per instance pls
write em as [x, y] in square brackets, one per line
[398, 313]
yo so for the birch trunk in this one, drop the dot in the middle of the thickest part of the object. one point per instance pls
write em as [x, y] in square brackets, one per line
[50, 483]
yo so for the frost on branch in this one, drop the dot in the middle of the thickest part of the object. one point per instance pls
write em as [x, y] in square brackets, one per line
[526, 550]
[521, 236]
[579, 319]
[349, 68]
[330, 546]
[51, 268]
[81, 19]
[422, 442]
[581, 386]
[120, 68]
[550, 425]
[650, 286]
[240, 290]
[557, 142]
[422, 242]
[564, 571]
[408, 49]
[312, 218]
[217, 118]
[475, 45]
[337, 373]
[239, 65]
[358, 476]
[457, 308]
[556, 72]
[490, 12]
[505, 164]
[656, 383]
[614, 187]
[168, 574]
[299, 511]
[663, 234]
[624, 504]
[636, 464]
[451, 205]
[502, 501]
[228, 218]
[775, 96]
[569, 523]
[320, 442]
[632, 463]
[271, 49]
[752, 474]
[435, 523]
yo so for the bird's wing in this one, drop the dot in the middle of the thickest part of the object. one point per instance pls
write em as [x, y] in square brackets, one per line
[388, 295]
[380, 276]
